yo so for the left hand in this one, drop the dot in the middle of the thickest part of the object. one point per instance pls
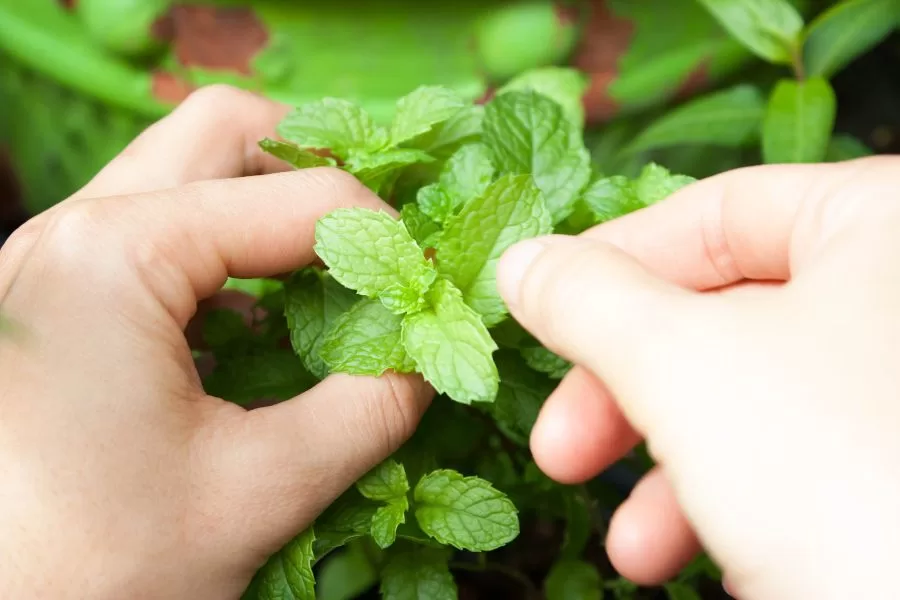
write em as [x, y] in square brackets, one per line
[121, 477]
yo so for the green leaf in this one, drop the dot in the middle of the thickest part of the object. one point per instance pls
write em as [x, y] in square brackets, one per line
[528, 133]
[333, 124]
[846, 147]
[543, 361]
[771, 29]
[676, 590]
[288, 574]
[295, 155]
[657, 183]
[467, 174]
[376, 170]
[444, 139]
[313, 300]
[510, 210]
[573, 580]
[419, 225]
[347, 518]
[418, 575]
[421, 110]
[845, 31]
[521, 395]
[451, 347]
[223, 327]
[272, 373]
[612, 197]
[434, 202]
[732, 117]
[387, 519]
[799, 121]
[385, 482]
[346, 575]
[465, 512]
[565, 86]
[366, 340]
[372, 253]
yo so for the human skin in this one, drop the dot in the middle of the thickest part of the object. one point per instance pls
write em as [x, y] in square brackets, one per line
[121, 477]
[748, 329]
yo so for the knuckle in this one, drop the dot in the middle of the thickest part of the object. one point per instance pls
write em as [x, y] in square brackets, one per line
[72, 232]
[216, 96]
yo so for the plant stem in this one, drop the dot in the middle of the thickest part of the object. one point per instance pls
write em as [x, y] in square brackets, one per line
[511, 573]
[797, 62]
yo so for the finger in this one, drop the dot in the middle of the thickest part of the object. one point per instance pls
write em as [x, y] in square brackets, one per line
[286, 463]
[753, 223]
[580, 430]
[649, 538]
[213, 134]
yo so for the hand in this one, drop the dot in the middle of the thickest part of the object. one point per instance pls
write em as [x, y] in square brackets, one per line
[121, 478]
[748, 327]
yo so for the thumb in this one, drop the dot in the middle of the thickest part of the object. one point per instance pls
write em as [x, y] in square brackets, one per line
[595, 305]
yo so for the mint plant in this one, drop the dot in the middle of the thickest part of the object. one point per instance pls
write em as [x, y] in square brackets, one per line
[417, 294]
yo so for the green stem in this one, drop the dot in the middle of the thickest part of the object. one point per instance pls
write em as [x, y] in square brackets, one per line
[797, 62]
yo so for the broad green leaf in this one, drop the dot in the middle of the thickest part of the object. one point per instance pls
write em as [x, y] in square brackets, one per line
[529, 133]
[346, 575]
[347, 518]
[573, 580]
[799, 121]
[565, 86]
[295, 155]
[846, 147]
[419, 225]
[422, 574]
[543, 361]
[579, 524]
[387, 519]
[451, 346]
[467, 174]
[385, 482]
[771, 29]
[656, 183]
[372, 253]
[676, 590]
[288, 574]
[612, 197]
[845, 31]
[434, 202]
[467, 513]
[521, 395]
[333, 124]
[223, 327]
[421, 110]
[444, 139]
[312, 302]
[732, 117]
[271, 373]
[510, 210]
[375, 170]
[366, 340]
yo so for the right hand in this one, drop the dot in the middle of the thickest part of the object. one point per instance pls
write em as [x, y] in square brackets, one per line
[748, 328]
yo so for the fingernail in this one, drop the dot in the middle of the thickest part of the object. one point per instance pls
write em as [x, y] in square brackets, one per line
[513, 265]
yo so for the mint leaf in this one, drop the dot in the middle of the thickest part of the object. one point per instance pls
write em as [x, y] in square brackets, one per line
[333, 124]
[519, 400]
[656, 183]
[386, 521]
[565, 86]
[444, 139]
[258, 374]
[799, 121]
[467, 173]
[295, 155]
[313, 301]
[422, 574]
[421, 110]
[288, 574]
[366, 340]
[465, 512]
[732, 117]
[612, 197]
[451, 346]
[376, 171]
[419, 225]
[543, 361]
[434, 202]
[346, 575]
[224, 327]
[510, 210]
[372, 253]
[845, 31]
[347, 518]
[528, 133]
[771, 29]
[573, 580]
[846, 147]
[385, 482]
